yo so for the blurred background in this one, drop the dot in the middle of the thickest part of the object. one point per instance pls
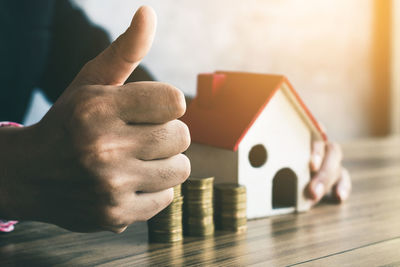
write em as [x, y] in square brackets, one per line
[342, 56]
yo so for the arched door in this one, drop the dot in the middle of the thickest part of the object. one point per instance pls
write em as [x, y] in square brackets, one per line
[284, 188]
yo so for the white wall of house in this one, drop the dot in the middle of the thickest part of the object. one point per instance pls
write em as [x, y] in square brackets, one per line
[287, 140]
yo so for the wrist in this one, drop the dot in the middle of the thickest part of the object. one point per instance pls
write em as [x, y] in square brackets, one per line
[14, 167]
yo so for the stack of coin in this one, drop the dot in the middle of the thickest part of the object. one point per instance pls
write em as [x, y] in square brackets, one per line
[230, 207]
[198, 206]
[166, 226]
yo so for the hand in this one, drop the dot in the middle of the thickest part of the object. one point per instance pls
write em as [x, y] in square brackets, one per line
[328, 173]
[106, 154]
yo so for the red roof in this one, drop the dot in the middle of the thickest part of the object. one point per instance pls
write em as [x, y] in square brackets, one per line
[228, 103]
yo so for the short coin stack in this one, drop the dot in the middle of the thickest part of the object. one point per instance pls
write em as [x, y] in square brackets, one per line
[230, 207]
[166, 226]
[198, 207]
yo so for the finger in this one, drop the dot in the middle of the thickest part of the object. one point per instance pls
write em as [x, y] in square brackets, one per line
[157, 175]
[328, 174]
[115, 64]
[149, 204]
[317, 155]
[136, 207]
[149, 102]
[341, 191]
[148, 176]
[160, 141]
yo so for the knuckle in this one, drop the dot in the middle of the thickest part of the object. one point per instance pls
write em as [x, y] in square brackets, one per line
[81, 115]
[112, 216]
[89, 103]
[112, 185]
[102, 154]
[97, 155]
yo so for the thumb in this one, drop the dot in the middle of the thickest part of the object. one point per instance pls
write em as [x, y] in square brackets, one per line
[114, 65]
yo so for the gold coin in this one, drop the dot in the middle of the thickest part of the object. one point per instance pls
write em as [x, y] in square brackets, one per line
[169, 213]
[165, 237]
[230, 188]
[230, 206]
[199, 220]
[224, 223]
[171, 231]
[198, 203]
[164, 224]
[177, 190]
[199, 181]
[198, 184]
[232, 214]
[203, 212]
[231, 198]
[195, 195]
[198, 231]
[171, 220]
[199, 192]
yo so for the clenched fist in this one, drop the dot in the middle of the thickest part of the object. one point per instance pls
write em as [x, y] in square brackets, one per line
[107, 153]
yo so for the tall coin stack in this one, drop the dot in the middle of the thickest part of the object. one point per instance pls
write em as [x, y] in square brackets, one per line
[230, 207]
[198, 207]
[166, 226]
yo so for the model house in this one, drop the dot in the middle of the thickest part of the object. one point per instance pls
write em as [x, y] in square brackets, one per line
[253, 129]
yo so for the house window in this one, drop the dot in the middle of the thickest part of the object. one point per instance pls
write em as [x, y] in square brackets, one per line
[258, 155]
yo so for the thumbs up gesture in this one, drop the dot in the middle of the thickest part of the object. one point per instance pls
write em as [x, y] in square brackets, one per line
[107, 154]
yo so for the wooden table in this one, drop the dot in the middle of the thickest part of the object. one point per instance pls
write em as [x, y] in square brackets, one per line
[365, 231]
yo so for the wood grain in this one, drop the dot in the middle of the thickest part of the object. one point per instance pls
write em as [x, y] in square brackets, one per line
[365, 231]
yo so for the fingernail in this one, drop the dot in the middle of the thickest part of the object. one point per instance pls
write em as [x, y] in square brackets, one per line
[319, 190]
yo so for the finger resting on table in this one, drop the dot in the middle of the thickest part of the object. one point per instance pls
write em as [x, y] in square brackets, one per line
[328, 174]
